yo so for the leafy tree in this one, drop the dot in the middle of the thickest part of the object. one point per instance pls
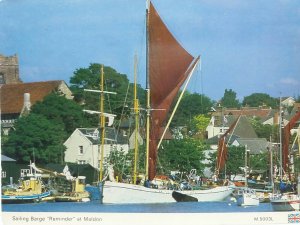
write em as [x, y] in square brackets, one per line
[36, 137]
[181, 155]
[60, 110]
[260, 99]
[121, 163]
[89, 78]
[265, 131]
[229, 99]
[262, 131]
[176, 155]
[200, 122]
[236, 161]
[190, 106]
[259, 161]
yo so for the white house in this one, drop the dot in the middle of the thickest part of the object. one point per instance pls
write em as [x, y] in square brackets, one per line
[215, 127]
[219, 125]
[83, 147]
[288, 101]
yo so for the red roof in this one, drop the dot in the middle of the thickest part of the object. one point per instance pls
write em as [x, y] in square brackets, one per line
[12, 95]
[248, 111]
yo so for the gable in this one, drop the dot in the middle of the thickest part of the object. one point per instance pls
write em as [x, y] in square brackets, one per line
[77, 135]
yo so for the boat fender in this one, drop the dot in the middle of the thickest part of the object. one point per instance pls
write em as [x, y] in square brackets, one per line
[27, 182]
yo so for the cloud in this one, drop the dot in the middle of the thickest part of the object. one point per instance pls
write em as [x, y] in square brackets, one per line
[289, 81]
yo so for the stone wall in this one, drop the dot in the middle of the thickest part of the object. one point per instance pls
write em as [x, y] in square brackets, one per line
[9, 70]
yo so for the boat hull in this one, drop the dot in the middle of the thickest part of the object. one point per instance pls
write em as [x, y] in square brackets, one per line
[286, 204]
[74, 197]
[247, 197]
[30, 198]
[128, 193]
[247, 200]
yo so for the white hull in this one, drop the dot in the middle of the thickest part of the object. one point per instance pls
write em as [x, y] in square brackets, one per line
[247, 197]
[286, 203]
[121, 193]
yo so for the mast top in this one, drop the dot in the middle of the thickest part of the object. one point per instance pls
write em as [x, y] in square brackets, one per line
[147, 4]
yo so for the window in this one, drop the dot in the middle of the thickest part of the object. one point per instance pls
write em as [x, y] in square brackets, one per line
[24, 172]
[81, 162]
[2, 79]
[80, 150]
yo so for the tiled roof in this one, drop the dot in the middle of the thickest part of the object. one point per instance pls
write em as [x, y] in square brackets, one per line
[243, 129]
[256, 145]
[249, 111]
[12, 95]
[111, 135]
[215, 139]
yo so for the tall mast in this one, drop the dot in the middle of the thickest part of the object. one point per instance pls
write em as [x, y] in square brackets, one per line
[271, 164]
[102, 124]
[280, 138]
[148, 91]
[136, 112]
[102, 116]
[246, 165]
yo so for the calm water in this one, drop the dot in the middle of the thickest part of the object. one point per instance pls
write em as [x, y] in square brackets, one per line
[177, 207]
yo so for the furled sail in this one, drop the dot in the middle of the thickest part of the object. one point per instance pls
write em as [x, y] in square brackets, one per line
[222, 148]
[168, 67]
[286, 140]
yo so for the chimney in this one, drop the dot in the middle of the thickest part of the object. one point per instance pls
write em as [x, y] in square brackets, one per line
[26, 104]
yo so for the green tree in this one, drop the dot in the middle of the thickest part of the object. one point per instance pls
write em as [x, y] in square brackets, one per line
[259, 161]
[260, 99]
[36, 138]
[236, 160]
[181, 155]
[60, 110]
[200, 123]
[89, 78]
[229, 99]
[190, 106]
[121, 163]
[262, 131]
[265, 130]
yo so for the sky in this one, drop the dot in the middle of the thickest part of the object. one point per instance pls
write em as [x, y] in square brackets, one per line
[249, 46]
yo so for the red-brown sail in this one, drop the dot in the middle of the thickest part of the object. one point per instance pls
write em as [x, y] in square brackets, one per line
[168, 63]
[222, 148]
[286, 140]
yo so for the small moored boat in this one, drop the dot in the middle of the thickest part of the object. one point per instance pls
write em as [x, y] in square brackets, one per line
[247, 197]
[286, 202]
[78, 193]
[30, 190]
